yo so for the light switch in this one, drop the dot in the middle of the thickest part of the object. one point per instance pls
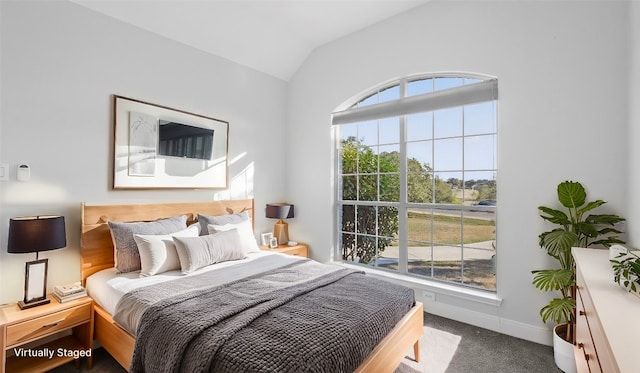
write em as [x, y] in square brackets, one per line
[4, 172]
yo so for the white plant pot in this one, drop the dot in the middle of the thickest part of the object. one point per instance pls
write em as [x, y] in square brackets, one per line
[563, 351]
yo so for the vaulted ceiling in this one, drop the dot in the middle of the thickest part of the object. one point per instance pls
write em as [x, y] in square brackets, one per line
[274, 37]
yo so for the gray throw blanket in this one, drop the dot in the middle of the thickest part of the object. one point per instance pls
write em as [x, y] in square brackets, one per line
[303, 317]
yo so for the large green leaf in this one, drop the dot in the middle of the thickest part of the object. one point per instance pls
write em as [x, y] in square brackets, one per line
[607, 242]
[554, 216]
[607, 219]
[571, 194]
[591, 205]
[558, 242]
[586, 229]
[553, 279]
[558, 310]
[608, 230]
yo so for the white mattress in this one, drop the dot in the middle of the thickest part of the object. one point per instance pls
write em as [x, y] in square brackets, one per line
[107, 286]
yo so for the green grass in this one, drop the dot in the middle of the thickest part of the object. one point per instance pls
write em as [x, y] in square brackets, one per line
[447, 229]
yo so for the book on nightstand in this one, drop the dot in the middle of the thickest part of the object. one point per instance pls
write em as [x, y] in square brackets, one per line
[65, 293]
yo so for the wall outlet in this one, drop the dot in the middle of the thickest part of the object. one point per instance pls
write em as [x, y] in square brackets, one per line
[429, 296]
[24, 172]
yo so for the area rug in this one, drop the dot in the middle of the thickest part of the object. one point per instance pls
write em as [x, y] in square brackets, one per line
[436, 351]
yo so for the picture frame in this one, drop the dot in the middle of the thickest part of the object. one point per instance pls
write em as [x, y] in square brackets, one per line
[266, 238]
[273, 243]
[158, 147]
[35, 282]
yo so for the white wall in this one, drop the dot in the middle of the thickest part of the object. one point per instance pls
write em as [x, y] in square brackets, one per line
[60, 65]
[634, 123]
[562, 75]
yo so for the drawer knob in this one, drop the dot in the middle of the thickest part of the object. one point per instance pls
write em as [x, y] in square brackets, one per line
[52, 323]
[580, 345]
[582, 313]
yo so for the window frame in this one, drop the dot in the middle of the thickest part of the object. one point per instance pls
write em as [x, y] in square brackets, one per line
[460, 96]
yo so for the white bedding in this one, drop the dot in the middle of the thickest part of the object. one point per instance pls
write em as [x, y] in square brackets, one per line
[107, 286]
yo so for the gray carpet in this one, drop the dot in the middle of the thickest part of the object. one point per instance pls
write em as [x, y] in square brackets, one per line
[447, 346]
[478, 350]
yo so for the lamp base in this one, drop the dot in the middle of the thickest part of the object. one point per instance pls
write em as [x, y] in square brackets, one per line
[23, 305]
[281, 232]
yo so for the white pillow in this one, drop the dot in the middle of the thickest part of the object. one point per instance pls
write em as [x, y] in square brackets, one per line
[158, 252]
[245, 229]
[198, 252]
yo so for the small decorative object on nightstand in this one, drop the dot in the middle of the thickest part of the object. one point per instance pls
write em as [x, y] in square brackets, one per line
[266, 238]
[34, 234]
[66, 293]
[299, 249]
[280, 211]
[21, 330]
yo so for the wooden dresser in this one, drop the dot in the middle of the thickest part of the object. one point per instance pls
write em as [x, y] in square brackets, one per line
[607, 317]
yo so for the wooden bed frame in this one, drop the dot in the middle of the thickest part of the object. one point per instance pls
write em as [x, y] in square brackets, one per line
[97, 253]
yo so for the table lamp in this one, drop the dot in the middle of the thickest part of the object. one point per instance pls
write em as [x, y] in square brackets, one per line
[34, 234]
[280, 211]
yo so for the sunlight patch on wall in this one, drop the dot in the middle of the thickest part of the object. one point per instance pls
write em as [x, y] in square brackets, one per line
[241, 185]
[34, 193]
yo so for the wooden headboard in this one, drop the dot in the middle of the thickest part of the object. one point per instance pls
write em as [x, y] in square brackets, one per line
[96, 245]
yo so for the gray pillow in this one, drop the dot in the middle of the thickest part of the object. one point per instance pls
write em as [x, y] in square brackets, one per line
[205, 220]
[198, 252]
[127, 255]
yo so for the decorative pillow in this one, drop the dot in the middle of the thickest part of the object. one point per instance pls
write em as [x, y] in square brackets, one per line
[158, 252]
[198, 252]
[245, 229]
[205, 220]
[127, 256]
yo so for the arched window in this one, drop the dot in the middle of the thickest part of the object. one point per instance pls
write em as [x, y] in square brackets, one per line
[416, 171]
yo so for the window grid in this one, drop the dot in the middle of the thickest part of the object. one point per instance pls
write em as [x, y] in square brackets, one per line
[402, 205]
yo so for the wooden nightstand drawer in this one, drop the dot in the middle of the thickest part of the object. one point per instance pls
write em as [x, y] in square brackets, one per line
[296, 250]
[33, 329]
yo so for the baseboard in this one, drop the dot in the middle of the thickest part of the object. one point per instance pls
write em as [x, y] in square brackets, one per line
[495, 323]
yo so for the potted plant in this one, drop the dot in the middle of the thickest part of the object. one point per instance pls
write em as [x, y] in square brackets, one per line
[626, 271]
[573, 228]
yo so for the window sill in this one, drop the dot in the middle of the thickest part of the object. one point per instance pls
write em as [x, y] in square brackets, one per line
[422, 286]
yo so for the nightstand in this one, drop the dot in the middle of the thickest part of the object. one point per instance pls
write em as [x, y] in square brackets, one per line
[297, 250]
[46, 336]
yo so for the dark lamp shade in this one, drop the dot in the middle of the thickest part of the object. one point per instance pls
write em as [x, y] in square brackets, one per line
[36, 233]
[279, 211]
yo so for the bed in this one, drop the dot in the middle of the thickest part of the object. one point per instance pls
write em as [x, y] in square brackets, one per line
[97, 258]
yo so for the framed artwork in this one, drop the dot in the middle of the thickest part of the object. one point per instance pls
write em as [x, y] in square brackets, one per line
[273, 242]
[266, 238]
[157, 147]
